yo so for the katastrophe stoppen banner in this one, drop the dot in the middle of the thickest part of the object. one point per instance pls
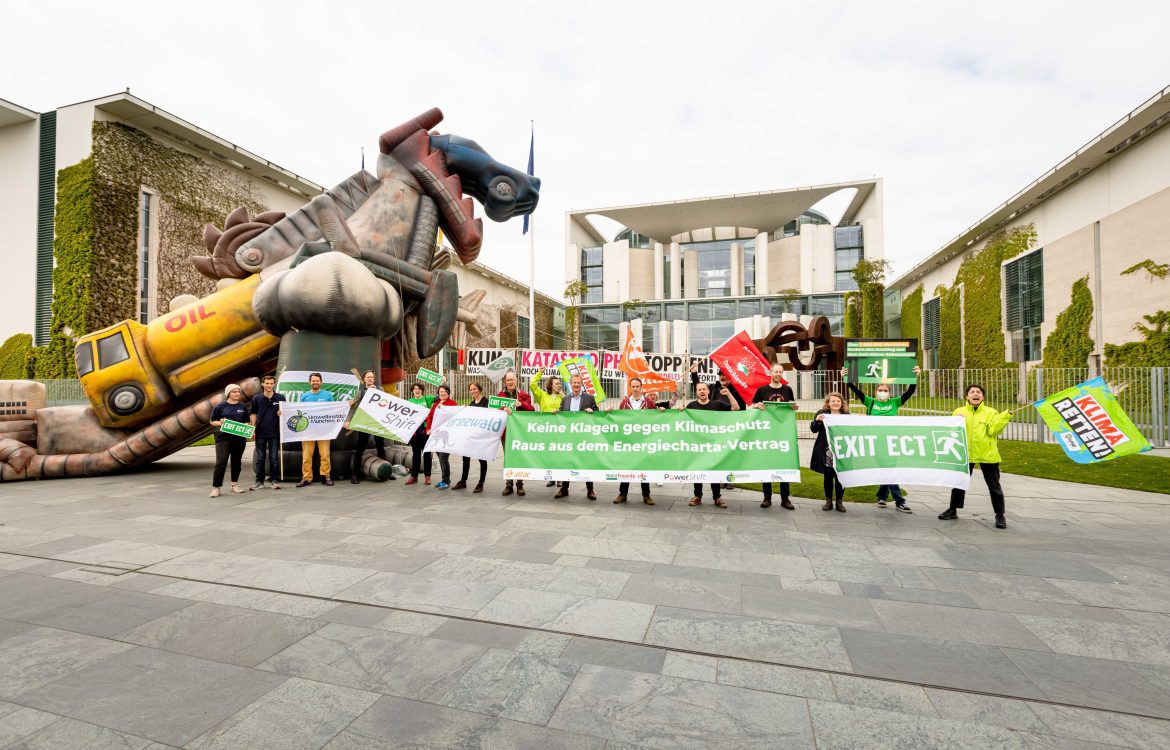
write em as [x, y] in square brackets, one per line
[886, 361]
[899, 450]
[646, 445]
[1089, 423]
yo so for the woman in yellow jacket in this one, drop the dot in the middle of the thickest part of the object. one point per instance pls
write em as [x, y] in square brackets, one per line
[984, 426]
[546, 400]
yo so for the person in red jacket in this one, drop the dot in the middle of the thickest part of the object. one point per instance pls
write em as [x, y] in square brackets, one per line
[636, 400]
[444, 399]
[523, 403]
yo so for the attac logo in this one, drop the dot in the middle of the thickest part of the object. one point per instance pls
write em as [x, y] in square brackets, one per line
[1092, 424]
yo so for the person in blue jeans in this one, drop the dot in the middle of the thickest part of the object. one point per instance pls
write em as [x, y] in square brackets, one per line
[266, 420]
[884, 405]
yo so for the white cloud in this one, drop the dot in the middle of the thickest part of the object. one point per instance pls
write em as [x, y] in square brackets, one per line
[955, 107]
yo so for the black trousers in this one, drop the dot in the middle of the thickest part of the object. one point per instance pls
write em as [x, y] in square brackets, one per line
[833, 484]
[232, 448]
[444, 466]
[588, 486]
[417, 442]
[624, 488]
[715, 489]
[991, 476]
[785, 488]
[467, 469]
[359, 451]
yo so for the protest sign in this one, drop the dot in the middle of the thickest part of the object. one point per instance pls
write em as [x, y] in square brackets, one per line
[238, 429]
[652, 446]
[429, 376]
[293, 384]
[899, 450]
[467, 431]
[882, 360]
[313, 420]
[387, 416]
[1089, 423]
[743, 364]
[500, 402]
[546, 362]
[475, 360]
[583, 367]
[499, 367]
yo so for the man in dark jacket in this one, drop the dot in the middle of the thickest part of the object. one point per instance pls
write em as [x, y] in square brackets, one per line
[577, 400]
[266, 420]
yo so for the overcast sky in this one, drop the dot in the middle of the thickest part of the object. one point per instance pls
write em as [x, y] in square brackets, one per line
[955, 106]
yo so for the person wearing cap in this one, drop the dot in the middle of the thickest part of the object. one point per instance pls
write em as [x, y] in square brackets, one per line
[227, 445]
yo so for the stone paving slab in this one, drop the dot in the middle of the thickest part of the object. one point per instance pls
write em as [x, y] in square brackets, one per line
[384, 615]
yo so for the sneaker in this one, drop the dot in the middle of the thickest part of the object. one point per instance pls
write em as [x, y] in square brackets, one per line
[427, 480]
[478, 488]
[304, 483]
[903, 508]
[881, 502]
[949, 514]
[442, 485]
[257, 486]
[236, 489]
[828, 505]
[1000, 522]
[214, 492]
[767, 503]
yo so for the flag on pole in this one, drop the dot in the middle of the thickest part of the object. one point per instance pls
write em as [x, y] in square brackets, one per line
[742, 362]
[633, 363]
[1090, 424]
[531, 172]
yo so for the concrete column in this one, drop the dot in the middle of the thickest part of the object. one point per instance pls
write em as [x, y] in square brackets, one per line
[659, 281]
[691, 273]
[675, 271]
[680, 337]
[736, 267]
[662, 341]
[762, 264]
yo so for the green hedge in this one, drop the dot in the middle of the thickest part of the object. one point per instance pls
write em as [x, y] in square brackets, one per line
[1152, 351]
[1069, 344]
[16, 357]
[873, 324]
[851, 326]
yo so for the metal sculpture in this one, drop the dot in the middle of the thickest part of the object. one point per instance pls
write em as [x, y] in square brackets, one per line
[337, 285]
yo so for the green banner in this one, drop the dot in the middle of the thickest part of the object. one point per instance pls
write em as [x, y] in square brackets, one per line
[500, 402]
[429, 376]
[1089, 423]
[881, 360]
[758, 445]
[899, 450]
[239, 429]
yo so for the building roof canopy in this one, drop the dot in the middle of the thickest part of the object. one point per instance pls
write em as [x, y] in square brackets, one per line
[766, 211]
[11, 114]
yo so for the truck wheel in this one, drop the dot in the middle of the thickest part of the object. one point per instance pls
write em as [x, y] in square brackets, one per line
[126, 400]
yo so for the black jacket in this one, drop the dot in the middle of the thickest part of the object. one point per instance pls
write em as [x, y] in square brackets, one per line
[821, 446]
[587, 401]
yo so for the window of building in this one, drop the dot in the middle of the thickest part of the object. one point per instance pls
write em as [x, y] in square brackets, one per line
[591, 273]
[749, 267]
[599, 327]
[666, 274]
[931, 331]
[848, 249]
[715, 266]
[145, 221]
[709, 325]
[832, 306]
[523, 327]
[1023, 287]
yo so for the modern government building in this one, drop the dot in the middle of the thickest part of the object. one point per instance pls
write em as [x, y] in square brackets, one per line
[688, 274]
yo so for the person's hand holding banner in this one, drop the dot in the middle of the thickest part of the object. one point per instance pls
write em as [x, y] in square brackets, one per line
[387, 416]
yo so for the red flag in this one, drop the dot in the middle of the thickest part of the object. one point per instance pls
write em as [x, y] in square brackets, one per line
[741, 361]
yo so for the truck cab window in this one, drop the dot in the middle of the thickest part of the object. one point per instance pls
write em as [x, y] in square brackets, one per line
[84, 357]
[112, 350]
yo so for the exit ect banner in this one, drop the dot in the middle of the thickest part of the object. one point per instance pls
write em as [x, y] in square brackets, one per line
[881, 360]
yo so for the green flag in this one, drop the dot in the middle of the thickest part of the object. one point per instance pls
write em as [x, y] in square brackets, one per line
[1089, 423]
[583, 366]
[646, 445]
[899, 450]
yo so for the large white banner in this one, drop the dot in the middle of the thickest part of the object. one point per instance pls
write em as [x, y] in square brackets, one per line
[312, 420]
[387, 416]
[470, 431]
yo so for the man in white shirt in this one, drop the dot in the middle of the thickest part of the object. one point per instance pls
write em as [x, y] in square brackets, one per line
[577, 400]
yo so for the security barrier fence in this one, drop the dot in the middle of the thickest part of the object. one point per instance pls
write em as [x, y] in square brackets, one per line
[1144, 393]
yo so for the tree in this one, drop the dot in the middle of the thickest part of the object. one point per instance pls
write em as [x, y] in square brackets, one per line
[852, 323]
[573, 293]
[870, 276]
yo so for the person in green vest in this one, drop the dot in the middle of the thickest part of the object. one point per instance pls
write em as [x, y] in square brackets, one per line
[883, 404]
[984, 426]
[547, 401]
[419, 439]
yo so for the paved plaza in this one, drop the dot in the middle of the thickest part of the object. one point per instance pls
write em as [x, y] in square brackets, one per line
[136, 612]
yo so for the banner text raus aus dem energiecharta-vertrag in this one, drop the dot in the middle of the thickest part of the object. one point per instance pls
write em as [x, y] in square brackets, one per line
[646, 445]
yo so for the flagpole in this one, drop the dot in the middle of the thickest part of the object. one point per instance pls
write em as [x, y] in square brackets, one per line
[531, 252]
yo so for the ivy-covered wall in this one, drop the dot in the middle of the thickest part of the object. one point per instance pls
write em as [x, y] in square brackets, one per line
[950, 326]
[851, 326]
[16, 361]
[912, 317]
[95, 279]
[1069, 344]
[873, 324]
